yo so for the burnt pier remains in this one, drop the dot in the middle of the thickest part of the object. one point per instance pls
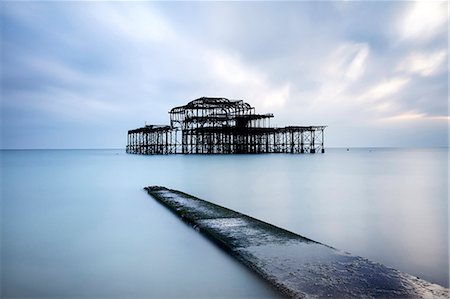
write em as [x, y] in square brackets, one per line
[222, 126]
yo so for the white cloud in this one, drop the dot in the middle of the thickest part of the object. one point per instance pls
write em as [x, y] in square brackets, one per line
[229, 71]
[134, 22]
[423, 64]
[414, 115]
[349, 60]
[232, 71]
[336, 74]
[385, 88]
[423, 20]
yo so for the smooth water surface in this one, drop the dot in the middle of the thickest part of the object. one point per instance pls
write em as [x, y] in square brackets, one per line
[76, 223]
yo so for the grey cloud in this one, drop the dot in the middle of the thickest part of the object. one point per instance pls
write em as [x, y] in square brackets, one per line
[128, 63]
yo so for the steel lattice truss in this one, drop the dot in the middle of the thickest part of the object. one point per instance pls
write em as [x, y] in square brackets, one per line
[222, 126]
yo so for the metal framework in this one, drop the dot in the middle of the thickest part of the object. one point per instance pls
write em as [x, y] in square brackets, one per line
[222, 126]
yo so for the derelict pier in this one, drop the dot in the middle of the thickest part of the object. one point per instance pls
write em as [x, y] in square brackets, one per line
[222, 126]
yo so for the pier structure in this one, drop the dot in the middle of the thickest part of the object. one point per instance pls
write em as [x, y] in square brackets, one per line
[222, 126]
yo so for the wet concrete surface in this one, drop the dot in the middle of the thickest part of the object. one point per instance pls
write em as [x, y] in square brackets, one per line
[297, 266]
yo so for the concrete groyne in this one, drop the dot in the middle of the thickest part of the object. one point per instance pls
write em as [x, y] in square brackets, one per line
[297, 266]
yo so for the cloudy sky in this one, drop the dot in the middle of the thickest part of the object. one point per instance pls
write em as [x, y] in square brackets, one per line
[80, 74]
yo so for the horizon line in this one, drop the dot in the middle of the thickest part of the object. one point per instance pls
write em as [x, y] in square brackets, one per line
[124, 148]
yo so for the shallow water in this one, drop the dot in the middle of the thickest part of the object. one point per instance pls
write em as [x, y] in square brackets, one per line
[76, 223]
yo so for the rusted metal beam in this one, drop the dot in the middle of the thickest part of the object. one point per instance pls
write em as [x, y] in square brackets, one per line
[222, 126]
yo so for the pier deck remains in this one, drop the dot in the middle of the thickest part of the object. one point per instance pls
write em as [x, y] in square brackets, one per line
[295, 265]
[222, 126]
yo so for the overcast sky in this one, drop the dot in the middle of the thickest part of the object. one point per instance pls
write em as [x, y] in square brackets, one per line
[79, 75]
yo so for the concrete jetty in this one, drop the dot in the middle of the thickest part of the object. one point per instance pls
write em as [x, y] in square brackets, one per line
[297, 266]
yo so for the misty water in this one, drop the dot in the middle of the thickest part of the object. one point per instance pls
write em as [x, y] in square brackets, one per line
[76, 223]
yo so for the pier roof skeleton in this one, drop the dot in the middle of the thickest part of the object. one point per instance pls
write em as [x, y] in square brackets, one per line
[214, 111]
[222, 126]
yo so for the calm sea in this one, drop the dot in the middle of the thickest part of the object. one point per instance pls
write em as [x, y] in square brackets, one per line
[76, 223]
